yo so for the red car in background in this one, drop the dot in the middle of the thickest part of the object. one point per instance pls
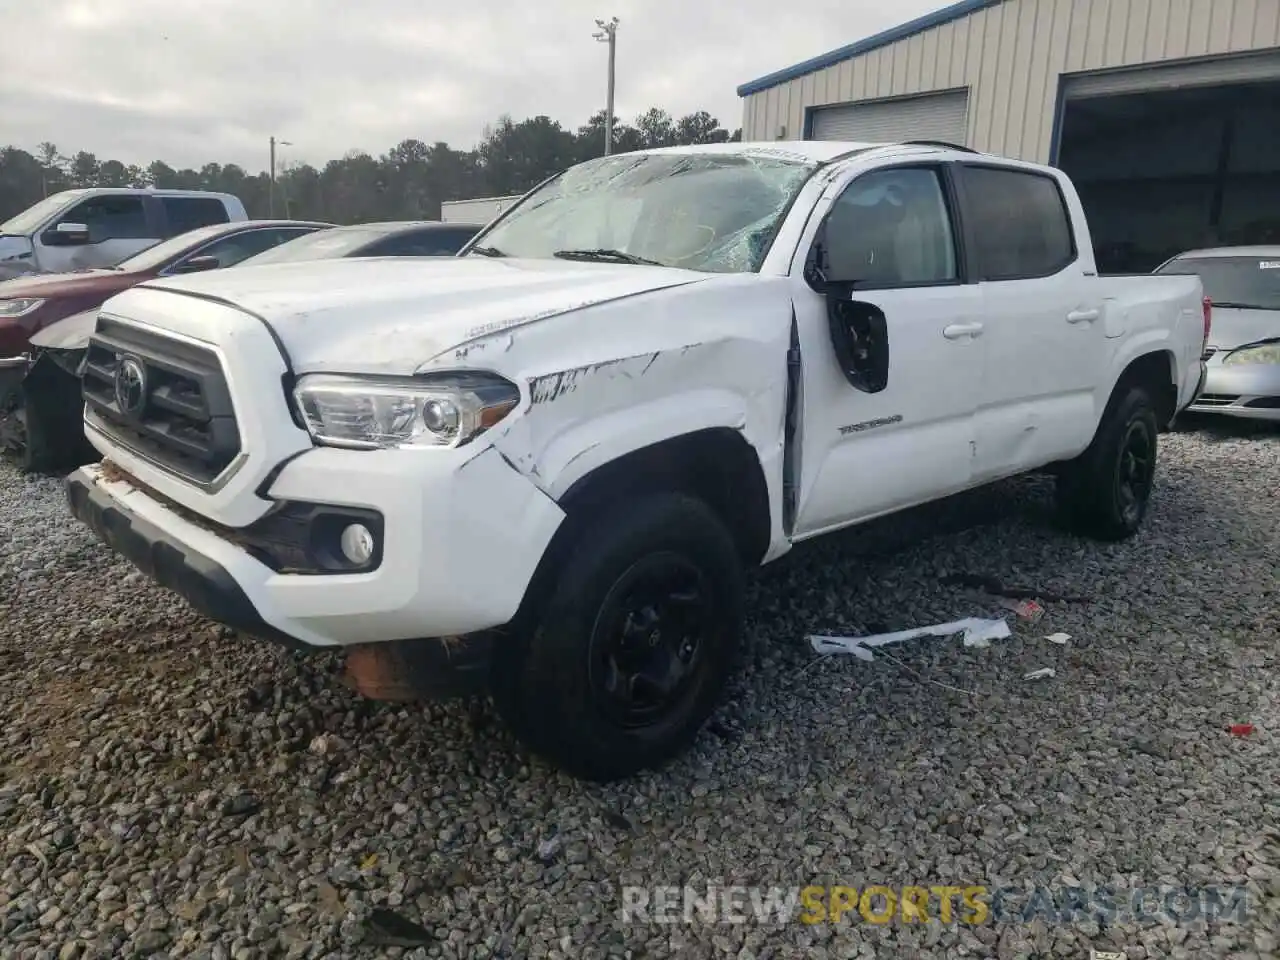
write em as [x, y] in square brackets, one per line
[48, 433]
[31, 303]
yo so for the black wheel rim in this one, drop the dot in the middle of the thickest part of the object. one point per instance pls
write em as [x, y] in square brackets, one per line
[649, 642]
[1134, 472]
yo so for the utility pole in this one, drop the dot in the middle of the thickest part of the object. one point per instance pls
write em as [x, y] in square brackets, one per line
[608, 33]
[271, 190]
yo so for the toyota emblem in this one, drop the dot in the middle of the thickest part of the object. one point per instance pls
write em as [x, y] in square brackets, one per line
[131, 386]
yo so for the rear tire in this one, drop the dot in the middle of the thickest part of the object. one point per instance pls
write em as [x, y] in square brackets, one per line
[1105, 492]
[630, 654]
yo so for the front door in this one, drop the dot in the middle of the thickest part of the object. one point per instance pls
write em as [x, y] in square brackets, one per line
[866, 452]
[119, 227]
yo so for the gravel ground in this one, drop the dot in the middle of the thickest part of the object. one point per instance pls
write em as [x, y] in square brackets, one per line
[166, 789]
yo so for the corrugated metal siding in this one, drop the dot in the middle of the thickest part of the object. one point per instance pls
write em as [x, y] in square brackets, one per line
[930, 116]
[1010, 56]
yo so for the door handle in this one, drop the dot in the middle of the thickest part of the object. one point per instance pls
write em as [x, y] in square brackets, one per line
[956, 331]
[1083, 316]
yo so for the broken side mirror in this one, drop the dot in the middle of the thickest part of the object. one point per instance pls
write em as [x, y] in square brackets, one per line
[860, 338]
[859, 332]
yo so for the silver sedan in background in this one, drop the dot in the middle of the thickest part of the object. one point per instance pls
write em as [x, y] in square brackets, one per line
[1243, 353]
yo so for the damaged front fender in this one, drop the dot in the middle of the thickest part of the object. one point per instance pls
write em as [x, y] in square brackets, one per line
[649, 369]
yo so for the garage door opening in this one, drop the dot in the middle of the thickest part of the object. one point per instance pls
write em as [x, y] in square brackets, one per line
[1166, 171]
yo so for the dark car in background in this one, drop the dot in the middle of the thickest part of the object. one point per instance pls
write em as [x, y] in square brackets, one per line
[41, 417]
[400, 238]
[30, 303]
[40, 406]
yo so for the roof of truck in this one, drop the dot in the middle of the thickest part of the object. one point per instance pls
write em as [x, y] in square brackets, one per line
[813, 151]
[147, 191]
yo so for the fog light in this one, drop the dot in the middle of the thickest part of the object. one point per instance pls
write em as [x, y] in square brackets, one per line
[357, 544]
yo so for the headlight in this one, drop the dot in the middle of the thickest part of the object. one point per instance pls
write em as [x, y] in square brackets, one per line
[1263, 353]
[371, 413]
[18, 308]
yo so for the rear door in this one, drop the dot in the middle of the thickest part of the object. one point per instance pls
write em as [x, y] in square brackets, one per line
[188, 213]
[1044, 326]
[868, 453]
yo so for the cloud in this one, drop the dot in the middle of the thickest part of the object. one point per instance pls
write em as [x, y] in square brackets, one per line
[139, 80]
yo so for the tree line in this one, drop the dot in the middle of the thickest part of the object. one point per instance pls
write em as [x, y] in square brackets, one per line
[408, 182]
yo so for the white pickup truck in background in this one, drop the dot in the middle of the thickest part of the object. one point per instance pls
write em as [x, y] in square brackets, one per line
[543, 467]
[100, 226]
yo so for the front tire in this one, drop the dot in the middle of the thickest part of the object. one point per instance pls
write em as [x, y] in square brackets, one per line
[51, 410]
[1106, 491]
[630, 655]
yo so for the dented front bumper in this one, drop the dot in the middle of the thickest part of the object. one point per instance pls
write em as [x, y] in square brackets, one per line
[458, 542]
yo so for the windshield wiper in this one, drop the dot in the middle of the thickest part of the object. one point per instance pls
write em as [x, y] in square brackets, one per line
[606, 256]
[1230, 305]
[487, 251]
[1264, 342]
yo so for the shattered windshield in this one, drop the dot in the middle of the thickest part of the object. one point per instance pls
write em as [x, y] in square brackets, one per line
[716, 213]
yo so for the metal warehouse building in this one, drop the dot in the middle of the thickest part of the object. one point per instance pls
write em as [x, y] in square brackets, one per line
[1166, 113]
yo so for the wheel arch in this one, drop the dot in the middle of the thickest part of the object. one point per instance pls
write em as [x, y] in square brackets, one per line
[1156, 370]
[715, 464]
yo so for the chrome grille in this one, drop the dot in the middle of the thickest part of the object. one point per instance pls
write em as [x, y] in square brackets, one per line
[163, 398]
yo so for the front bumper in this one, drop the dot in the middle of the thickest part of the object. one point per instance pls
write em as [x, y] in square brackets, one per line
[1248, 391]
[202, 581]
[462, 539]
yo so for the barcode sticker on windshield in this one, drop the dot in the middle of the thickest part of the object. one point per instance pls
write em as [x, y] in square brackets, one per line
[1269, 265]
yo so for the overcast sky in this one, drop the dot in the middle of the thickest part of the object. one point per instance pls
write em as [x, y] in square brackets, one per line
[190, 81]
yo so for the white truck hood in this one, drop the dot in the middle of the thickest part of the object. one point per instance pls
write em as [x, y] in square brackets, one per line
[393, 315]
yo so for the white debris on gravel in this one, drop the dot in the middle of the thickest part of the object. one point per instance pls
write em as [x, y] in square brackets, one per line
[169, 790]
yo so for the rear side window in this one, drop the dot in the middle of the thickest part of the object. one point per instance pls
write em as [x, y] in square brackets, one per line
[1020, 223]
[188, 213]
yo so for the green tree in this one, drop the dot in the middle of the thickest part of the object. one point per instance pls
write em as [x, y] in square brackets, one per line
[409, 181]
[84, 170]
[656, 128]
[700, 127]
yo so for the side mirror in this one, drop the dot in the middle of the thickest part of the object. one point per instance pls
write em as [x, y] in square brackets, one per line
[67, 235]
[197, 265]
[859, 332]
[860, 338]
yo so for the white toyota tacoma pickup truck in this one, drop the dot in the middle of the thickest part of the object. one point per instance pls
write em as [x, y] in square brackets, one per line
[541, 468]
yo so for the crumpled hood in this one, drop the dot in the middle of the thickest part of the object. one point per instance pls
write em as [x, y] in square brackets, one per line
[391, 315]
[1233, 327]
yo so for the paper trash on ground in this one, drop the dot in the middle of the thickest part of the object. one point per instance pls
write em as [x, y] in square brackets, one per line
[1059, 638]
[977, 633]
[1046, 673]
